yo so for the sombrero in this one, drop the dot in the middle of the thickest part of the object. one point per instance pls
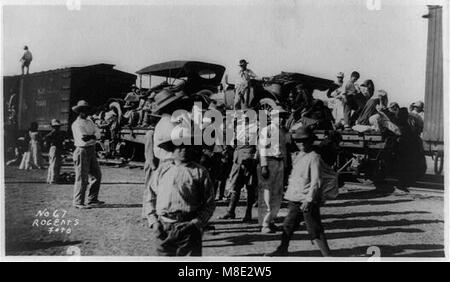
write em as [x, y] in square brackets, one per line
[178, 137]
[243, 62]
[55, 122]
[82, 104]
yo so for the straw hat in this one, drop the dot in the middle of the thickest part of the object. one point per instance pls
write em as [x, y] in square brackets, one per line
[243, 62]
[55, 122]
[81, 105]
[184, 136]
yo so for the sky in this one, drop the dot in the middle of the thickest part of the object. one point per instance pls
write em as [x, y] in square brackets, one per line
[386, 44]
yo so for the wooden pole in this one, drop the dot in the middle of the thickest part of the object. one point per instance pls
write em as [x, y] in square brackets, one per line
[20, 108]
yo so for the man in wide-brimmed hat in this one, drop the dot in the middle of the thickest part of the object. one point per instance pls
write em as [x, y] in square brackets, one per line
[273, 156]
[242, 97]
[304, 195]
[85, 135]
[243, 171]
[180, 200]
[166, 102]
[55, 141]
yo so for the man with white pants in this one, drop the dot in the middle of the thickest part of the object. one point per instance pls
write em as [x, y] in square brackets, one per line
[273, 163]
[55, 140]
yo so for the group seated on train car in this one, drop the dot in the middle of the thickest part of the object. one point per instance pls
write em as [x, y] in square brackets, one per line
[377, 116]
[315, 115]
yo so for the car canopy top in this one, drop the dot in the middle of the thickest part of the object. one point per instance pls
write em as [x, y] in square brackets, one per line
[181, 69]
[311, 82]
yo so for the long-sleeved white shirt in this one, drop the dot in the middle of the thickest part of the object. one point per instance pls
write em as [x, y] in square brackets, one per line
[81, 127]
[305, 179]
[272, 143]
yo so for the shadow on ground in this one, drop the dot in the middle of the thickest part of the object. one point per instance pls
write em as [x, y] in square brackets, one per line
[14, 247]
[366, 194]
[366, 202]
[250, 239]
[370, 214]
[118, 206]
[386, 251]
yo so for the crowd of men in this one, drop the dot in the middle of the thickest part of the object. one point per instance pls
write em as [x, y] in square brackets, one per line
[183, 181]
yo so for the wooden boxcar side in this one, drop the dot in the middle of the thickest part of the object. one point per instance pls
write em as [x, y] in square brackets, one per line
[44, 96]
[434, 96]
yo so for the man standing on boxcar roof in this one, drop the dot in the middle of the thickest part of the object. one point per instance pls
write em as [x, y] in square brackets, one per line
[26, 59]
[85, 135]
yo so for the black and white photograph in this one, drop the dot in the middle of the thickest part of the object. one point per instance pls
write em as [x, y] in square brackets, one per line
[291, 130]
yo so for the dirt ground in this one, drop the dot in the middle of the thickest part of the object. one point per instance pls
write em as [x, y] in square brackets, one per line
[400, 226]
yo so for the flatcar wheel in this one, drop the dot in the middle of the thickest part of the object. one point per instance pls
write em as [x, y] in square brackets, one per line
[265, 107]
[126, 150]
[438, 162]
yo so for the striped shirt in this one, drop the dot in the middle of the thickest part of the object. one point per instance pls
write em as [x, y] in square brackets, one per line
[181, 188]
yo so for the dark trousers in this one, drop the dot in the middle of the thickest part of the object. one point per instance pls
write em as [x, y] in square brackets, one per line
[349, 105]
[295, 216]
[220, 170]
[243, 173]
[179, 240]
[25, 64]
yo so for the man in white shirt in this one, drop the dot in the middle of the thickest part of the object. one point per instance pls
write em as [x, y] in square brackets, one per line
[85, 135]
[304, 195]
[271, 171]
[335, 101]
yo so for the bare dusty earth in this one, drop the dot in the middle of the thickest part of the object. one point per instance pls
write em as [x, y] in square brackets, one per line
[409, 225]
